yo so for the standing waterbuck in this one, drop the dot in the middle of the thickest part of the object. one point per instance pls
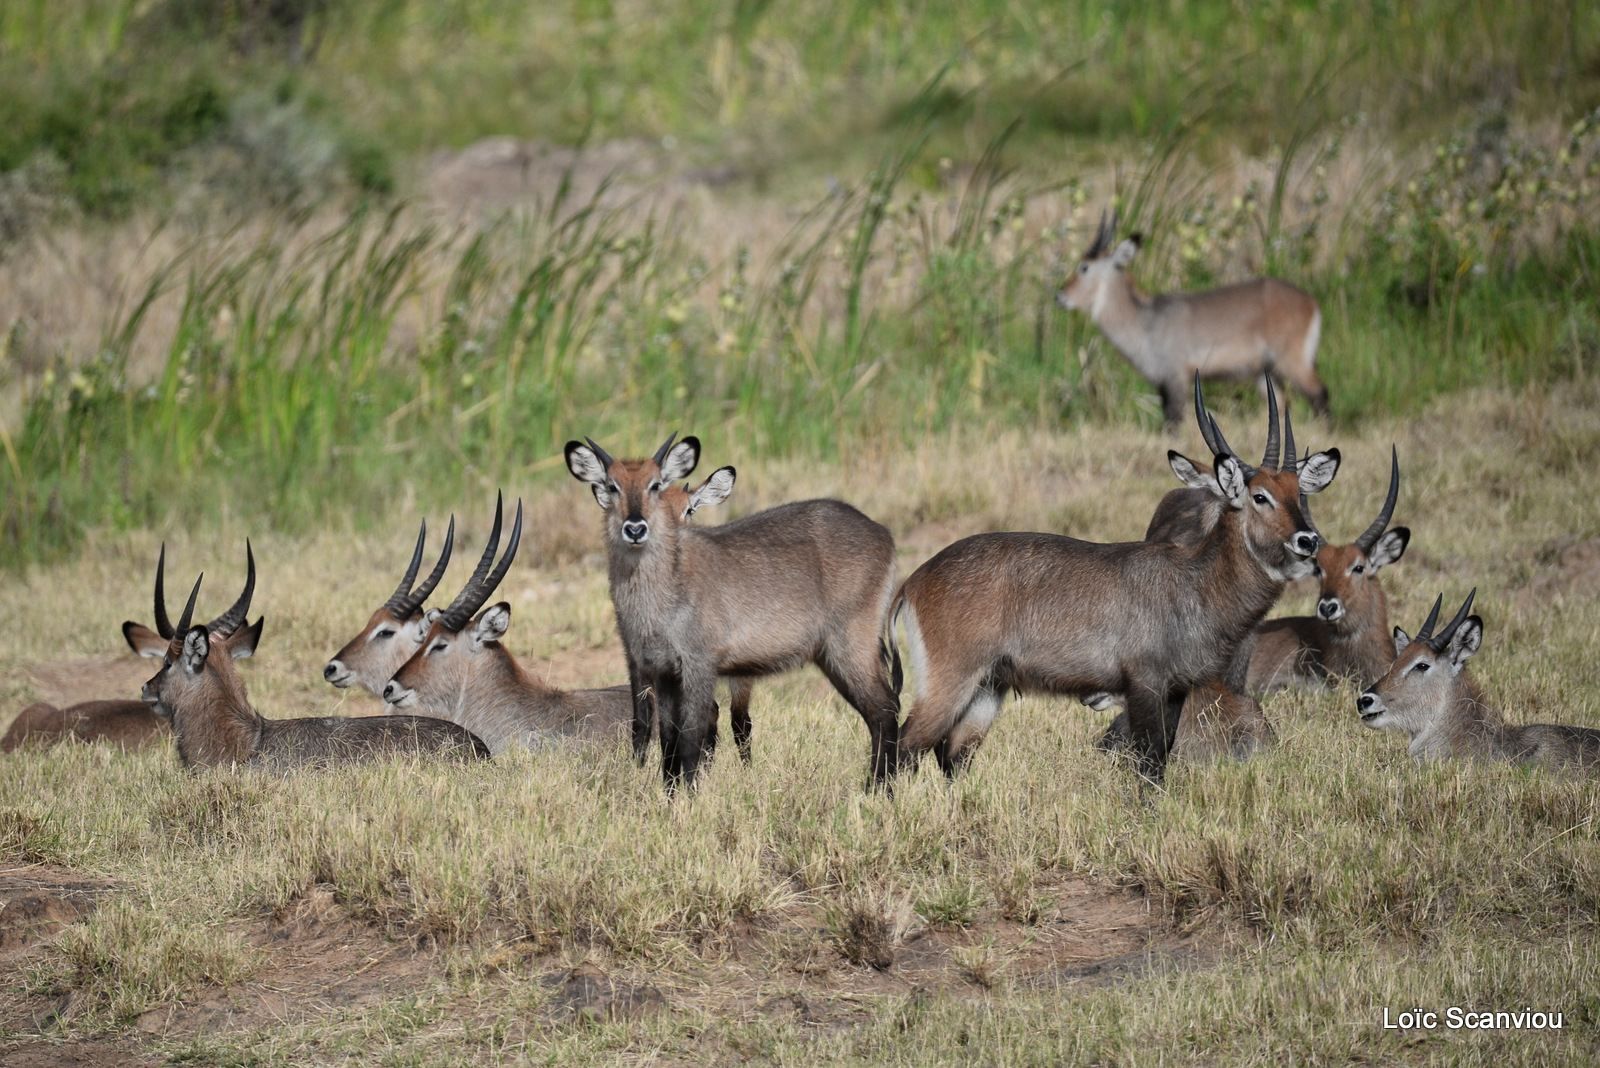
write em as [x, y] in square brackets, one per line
[1349, 635]
[199, 691]
[803, 582]
[462, 673]
[1242, 331]
[1046, 613]
[396, 630]
[1428, 694]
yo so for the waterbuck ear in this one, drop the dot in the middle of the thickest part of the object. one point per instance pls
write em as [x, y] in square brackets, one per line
[1464, 642]
[1189, 473]
[242, 645]
[586, 467]
[1232, 485]
[196, 647]
[1390, 547]
[712, 492]
[1401, 640]
[419, 625]
[1317, 471]
[1124, 253]
[492, 624]
[144, 641]
[681, 460]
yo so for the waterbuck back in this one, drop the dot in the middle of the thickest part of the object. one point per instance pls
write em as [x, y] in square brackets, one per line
[1428, 694]
[1263, 327]
[808, 582]
[1047, 613]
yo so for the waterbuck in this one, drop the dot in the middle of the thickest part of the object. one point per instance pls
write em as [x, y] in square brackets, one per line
[396, 629]
[462, 673]
[1046, 613]
[129, 725]
[803, 582]
[199, 691]
[1428, 694]
[1349, 635]
[1242, 331]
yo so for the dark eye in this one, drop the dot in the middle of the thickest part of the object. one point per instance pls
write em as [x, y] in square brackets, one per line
[1262, 499]
[386, 632]
[1421, 665]
[653, 487]
[439, 647]
[1358, 570]
[1083, 268]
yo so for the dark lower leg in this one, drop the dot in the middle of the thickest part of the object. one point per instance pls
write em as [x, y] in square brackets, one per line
[739, 714]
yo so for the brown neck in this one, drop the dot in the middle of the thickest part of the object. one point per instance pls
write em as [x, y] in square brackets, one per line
[217, 732]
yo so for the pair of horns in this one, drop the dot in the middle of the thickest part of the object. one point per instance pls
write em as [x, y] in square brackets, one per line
[482, 581]
[660, 457]
[1219, 445]
[221, 627]
[1438, 643]
[1102, 236]
[404, 602]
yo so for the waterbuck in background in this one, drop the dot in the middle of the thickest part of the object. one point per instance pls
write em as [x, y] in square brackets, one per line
[1051, 614]
[462, 673]
[803, 582]
[127, 724]
[199, 691]
[1349, 635]
[1247, 330]
[396, 629]
[1428, 694]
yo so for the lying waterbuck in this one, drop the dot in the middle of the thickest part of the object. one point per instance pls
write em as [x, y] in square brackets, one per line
[396, 629]
[1428, 694]
[199, 691]
[1260, 327]
[1046, 613]
[129, 725]
[803, 582]
[1349, 635]
[462, 673]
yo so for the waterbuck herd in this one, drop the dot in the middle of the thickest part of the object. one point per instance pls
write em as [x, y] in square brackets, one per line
[1172, 627]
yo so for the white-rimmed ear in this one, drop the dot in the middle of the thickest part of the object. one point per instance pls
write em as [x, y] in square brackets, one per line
[144, 641]
[196, 647]
[1232, 485]
[417, 626]
[1125, 252]
[1317, 471]
[491, 624]
[1390, 547]
[1189, 473]
[586, 467]
[1463, 643]
[712, 492]
[681, 460]
[1401, 640]
[242, 646]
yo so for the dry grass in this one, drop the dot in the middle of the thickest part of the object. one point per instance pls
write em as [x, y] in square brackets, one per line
[1293, 897]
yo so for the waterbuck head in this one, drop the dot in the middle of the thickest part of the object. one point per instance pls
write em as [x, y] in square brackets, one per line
[396, 630]
[1352, 598]
[1101, 268]
[460, 655]
[1420, 686]
[644, 510]
[191, 675]
[1269, 500]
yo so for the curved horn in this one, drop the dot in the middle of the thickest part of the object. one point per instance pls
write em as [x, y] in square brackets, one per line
[1438, 644]
[1311, 524]
[605, 457]
[398, 597]
[228, 622]
[1289, 458]
[188, 609]
[413, 601]
[1202, 417]
[453, 617]
[1102, 236]
[666, 447]
[1433, 617]
[1370, 536]
[1270, 457]
[163, 624]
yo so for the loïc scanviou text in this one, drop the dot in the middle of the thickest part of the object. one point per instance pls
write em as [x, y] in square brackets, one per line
[1456, 1018]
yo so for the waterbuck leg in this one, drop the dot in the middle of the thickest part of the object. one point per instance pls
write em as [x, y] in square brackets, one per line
[1153, 723]
[669, 704]
[864, 686]
[1172, 405]
[709, 748]
[644, 711]
[739, 714]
